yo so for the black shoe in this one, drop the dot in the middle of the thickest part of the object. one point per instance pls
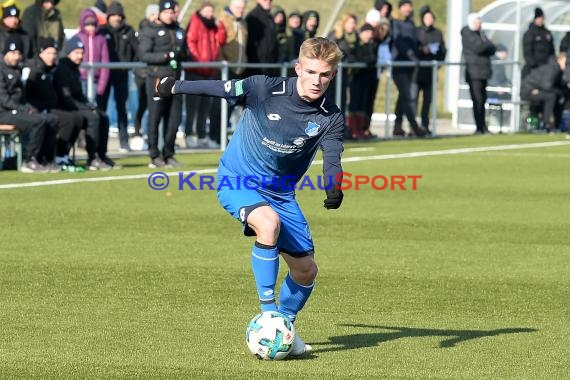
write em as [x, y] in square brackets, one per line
[157, 162]
[111, 163]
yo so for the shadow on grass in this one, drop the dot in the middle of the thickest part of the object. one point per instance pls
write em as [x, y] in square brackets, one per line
[450, 337]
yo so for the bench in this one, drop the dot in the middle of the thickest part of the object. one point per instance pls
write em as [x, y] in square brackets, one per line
[10, 139]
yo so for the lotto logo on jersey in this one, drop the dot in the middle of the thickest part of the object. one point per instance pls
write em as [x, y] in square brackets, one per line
[274, 116]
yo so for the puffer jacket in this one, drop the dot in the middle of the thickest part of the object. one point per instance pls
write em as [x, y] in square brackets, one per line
[96, 51]
[204, 39]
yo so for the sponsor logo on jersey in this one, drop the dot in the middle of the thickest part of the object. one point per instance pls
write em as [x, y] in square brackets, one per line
[242, 214]
[312, 129]
[239, 87]
[274, 116]
[299, 142]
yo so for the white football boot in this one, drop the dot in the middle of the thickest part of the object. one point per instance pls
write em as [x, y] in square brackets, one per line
[299, 346]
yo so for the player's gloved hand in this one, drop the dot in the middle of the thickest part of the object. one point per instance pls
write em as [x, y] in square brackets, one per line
[165, 86]
[334, 198]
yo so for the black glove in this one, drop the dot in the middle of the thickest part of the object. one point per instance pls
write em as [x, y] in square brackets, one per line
[165, 87]
[334, 198]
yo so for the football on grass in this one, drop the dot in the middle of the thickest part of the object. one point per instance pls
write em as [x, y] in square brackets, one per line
[270, 335]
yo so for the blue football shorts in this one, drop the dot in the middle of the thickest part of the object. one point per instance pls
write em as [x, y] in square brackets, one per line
[294, 237]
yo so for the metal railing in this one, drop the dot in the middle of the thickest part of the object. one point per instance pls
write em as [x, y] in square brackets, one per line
[225, 67]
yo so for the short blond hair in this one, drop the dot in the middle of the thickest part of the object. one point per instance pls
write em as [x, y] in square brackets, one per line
[322, 49]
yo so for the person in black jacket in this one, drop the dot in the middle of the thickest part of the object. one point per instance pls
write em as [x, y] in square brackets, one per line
[432, 48]
[161, 46]
[67, 83]
[40, 93]
[39, 128]
[538, 44]
[544, 85]
[11, 24]
[477, 52]
[122, 44]
[405, 49]
[261, 38]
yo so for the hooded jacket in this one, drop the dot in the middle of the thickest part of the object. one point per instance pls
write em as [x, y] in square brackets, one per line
[95, 51]
[40, 23]
[234, 50]
[204, 39]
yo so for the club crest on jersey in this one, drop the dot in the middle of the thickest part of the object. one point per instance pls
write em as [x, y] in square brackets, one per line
[312, 129]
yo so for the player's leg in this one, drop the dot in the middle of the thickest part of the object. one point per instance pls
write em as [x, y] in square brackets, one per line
[259, 220]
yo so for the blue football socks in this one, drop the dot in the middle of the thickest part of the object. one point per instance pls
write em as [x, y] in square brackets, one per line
[265, 265]
[293, 296]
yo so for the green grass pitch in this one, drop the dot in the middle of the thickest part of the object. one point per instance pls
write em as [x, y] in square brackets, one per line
[467, 277]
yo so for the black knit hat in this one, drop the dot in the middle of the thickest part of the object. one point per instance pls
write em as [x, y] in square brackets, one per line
[73, 44]
[538, 13]
[115, 8]
[402, 2]
[10, 11]
[166, 4]
[425, 10]
[13, 43]
[45, 43]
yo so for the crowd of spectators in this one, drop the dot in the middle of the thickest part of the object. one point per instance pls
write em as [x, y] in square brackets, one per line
[268, 33]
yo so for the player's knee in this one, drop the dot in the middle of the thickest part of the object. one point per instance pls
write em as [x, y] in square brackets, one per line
[268, 229]
[307, 274]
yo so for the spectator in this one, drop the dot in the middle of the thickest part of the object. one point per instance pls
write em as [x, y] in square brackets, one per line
[294, 34]
[43, 19]
[431, 48]
[14, 109]
[204, 38]
[565, 43]
[477, 50]
[538, 45]
[122, 44]
[40, 93]
[100, 9]
[280, 20]
[499, 77]
[67, 83]
[234, 50]
[405, 49]
[346, 37]
[384, 7]
[261, 37]
[95, 51]
[363, 79]
[311, 21]
[161, 46]
[151, 15]
[11, 24]
[544, 85]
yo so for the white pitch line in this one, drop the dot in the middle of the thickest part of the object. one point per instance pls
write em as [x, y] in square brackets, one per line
[444, 152]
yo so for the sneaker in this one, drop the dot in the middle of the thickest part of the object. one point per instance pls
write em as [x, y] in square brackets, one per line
[299, 346]
[111, 163]
[52, 167]
[171, 162]
[191, 142]
[157, 163]
[33, 166]
[211, 144]
[97, 164]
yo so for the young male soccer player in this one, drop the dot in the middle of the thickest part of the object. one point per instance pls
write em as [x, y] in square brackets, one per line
[284, 123]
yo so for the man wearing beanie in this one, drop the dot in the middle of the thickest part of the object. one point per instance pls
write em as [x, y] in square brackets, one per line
[43, 19]
[161, 46]
[122, 45]
[67, 83]
[405, 49]
[431, 48]
[538, 44]
[14, 109]
[11, 24]
[40, 92]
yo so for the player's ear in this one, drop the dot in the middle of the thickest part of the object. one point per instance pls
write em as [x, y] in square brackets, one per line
[334, 74]
[298, 69]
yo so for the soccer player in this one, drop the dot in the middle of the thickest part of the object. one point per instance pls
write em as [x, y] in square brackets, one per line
[284, 123]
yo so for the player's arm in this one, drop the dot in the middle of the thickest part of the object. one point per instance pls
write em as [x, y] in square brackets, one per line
[332, 147]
